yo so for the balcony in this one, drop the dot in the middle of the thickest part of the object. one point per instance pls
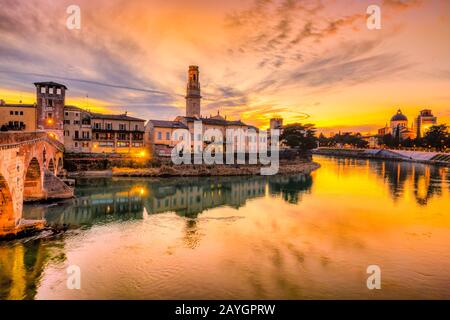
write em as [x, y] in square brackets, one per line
[81, 138]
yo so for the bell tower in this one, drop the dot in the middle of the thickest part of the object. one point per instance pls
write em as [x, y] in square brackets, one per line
[50, 100]
[193, 96]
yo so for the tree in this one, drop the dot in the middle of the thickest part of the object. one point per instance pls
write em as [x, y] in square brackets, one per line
[436, 136]
[323, 141]
[299, 136]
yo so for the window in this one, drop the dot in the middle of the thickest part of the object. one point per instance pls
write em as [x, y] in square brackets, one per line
[85, 134]
[76, 134]
[50, 90]
[159, 135]
[76, 121]
[76, 114]
[21, 113]
[136, 127]
[11, 113]
[97, 125]
[58, 91]
[42, 89]
[16, 113]
[167, 135]
[76, 144]
[122, 126]
[66, 114]
[66, 121]
[122, 144]
[109, 126]
[50, 115]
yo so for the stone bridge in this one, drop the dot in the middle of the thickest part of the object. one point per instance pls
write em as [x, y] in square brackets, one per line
[29, 163]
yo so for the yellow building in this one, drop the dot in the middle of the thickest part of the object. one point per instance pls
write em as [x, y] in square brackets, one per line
[17, 117]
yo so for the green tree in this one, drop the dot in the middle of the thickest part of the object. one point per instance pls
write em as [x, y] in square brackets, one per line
[436, 136]
[299, 136]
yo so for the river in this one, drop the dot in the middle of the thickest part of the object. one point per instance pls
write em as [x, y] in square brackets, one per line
[281, 237]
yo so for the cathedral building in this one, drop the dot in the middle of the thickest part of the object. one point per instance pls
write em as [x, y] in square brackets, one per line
[398, 127]
[160, 134]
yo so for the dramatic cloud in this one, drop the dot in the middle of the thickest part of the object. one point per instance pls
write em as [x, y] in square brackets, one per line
[293, 58]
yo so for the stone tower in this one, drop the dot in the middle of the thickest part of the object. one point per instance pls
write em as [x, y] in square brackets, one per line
[50, 99]
[193, 96]
[276, 123]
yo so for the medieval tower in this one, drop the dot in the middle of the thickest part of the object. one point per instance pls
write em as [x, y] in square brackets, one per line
[50, 98]
[193, 96]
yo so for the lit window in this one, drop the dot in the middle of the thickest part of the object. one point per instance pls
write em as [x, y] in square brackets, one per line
[42, 89]
[50, 90]
[58, 91]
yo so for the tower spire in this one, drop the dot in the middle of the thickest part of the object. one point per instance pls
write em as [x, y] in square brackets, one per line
[193, 96]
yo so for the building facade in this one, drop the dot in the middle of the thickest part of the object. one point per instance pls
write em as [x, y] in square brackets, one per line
[398, 127]
[160, 134]
[89, 132]
[17, 117]
[424, 121]
[50, 102]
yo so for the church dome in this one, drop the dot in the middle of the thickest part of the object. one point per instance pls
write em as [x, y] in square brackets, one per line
[399, 116]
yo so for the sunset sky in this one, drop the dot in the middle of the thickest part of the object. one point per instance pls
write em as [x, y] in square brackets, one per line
[257, 58]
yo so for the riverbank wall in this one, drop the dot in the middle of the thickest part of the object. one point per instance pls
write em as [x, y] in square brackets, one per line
[433, 158]
[285, 167]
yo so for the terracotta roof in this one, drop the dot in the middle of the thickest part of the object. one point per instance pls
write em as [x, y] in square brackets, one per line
[18, 105]
[114, 117]
[168, 124]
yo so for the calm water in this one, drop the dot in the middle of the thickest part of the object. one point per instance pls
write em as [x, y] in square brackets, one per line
[292, 237]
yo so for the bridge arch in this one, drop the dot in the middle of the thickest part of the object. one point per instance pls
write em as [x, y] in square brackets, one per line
[51, 166]
[32, 187]
[59, 165]
[6, 205]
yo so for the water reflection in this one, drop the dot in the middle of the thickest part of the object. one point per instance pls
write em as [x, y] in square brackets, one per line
[293, 236]
[110, 199]
[426, 181]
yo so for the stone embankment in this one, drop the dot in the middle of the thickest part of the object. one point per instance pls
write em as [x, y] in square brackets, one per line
[434, 158]
[286, 167]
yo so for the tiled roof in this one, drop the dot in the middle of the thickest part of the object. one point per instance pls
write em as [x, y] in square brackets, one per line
[168, 124]
[73, 108]
[114, 117]
[216, 121]
[17, 105]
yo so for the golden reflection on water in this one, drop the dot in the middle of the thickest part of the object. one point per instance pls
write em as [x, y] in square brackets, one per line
[253, 237]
